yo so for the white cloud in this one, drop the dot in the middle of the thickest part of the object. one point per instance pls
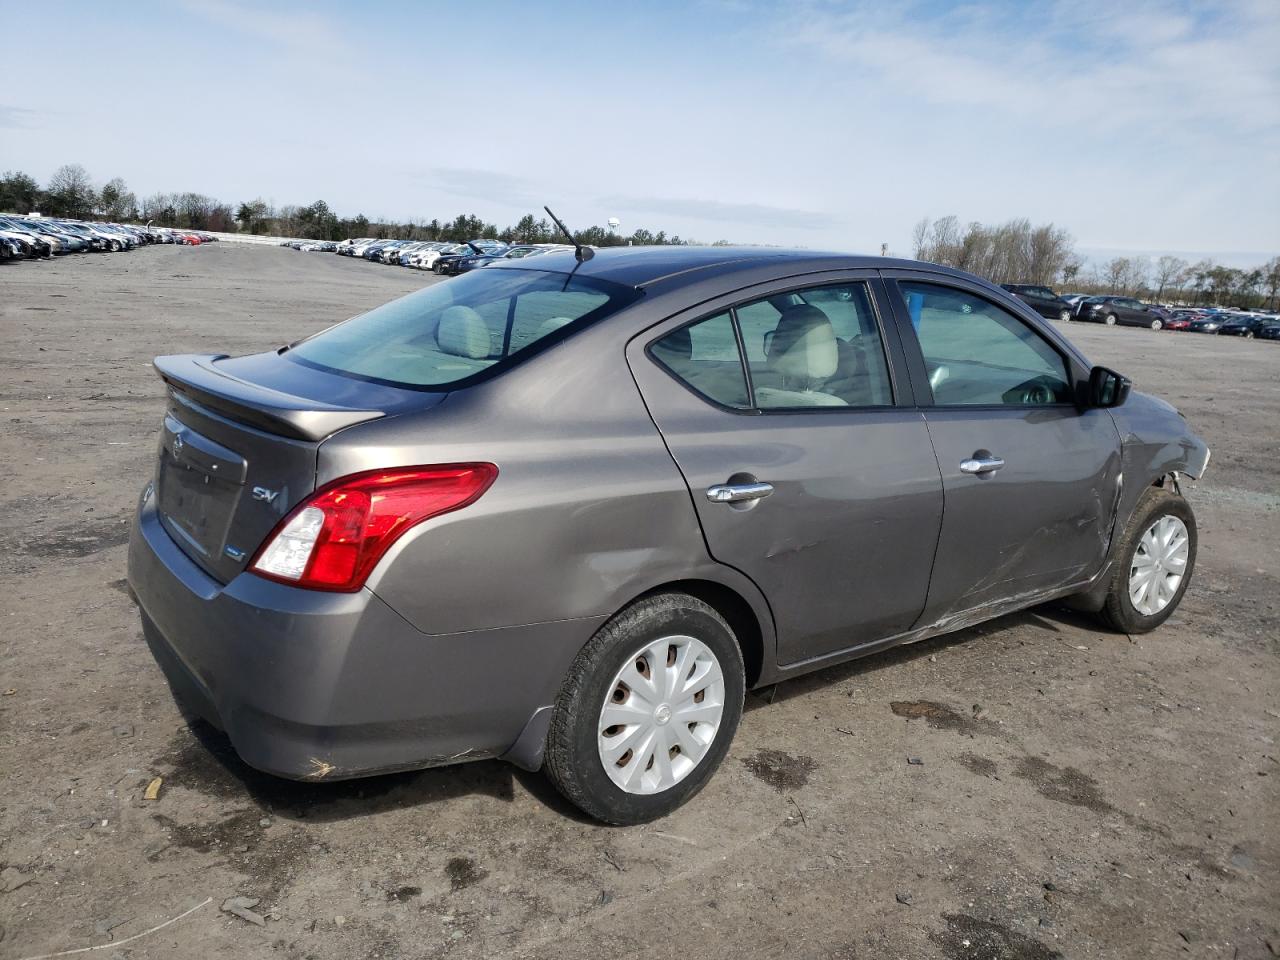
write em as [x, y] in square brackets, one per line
[16, 118]
[1066, 63]
[304, 32]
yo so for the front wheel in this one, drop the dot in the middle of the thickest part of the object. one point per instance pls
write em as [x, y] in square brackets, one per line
[1248, 334]
[1154, 563]
[647, 711]
[1157, 323]
[1064, 315]
[1110, 320]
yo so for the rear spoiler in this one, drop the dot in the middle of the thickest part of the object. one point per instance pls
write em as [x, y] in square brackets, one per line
[194, 377]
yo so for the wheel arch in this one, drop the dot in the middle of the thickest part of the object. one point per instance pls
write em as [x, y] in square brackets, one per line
[737, 611]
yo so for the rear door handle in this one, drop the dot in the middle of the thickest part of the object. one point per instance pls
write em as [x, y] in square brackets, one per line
[738, 492]
[981, 465]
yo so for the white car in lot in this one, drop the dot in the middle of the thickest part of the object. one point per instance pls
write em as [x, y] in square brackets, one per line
[426, 259]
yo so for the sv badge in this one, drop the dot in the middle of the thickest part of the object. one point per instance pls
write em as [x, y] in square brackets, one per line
[265, 495]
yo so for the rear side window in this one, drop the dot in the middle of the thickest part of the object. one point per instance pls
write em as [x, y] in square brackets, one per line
[705, 356]
[454, 332]
[978, 353]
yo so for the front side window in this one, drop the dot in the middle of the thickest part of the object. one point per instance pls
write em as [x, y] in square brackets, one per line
[813, 347]
[453, 331]
[978, 353]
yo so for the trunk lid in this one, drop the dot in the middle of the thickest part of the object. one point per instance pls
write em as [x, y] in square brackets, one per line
[239, 446]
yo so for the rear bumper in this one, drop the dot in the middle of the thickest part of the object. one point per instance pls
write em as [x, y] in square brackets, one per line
[311, 685]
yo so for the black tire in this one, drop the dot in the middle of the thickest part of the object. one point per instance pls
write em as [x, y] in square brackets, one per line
[1064, 316]
[572, 760]
[1119, 610]
[1157, 323]
[1109, 320]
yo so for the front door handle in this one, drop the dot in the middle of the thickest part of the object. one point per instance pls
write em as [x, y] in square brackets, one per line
[738, 492]
[981, 465]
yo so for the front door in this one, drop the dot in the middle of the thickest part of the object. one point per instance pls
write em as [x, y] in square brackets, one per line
[809, 468]
[1030, 479]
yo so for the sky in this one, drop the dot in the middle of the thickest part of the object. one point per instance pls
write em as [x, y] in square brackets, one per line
[1139, 126]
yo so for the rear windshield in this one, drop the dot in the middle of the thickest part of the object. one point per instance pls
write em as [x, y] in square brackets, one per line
[456, 331]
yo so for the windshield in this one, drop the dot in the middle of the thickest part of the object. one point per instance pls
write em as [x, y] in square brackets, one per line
[455, 331]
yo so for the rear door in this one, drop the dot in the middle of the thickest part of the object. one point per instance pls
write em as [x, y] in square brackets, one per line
[1136, 312]
[809, 467]
[1031, 481]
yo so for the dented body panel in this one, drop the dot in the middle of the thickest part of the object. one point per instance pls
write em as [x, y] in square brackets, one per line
[457, 645]
[1042, 521]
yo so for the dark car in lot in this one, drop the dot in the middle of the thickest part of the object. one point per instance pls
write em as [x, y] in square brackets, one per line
[1041, 299]
[470, 256]
[1246, 326]
[1125, 311]
[1269, 330]
[566, 509]
[1210, 323]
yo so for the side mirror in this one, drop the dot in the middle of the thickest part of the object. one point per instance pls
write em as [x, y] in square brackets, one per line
[1107, 388]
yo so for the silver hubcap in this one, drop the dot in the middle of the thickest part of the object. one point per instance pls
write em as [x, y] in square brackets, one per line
[661, 715]
[1158, 565]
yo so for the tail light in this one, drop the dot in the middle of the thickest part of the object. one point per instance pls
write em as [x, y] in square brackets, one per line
[334, 538]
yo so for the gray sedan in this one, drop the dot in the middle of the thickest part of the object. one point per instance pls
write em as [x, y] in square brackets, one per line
[566, 510]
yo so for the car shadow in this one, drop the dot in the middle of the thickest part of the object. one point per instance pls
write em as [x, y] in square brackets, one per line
[201, 758]
[1048, 617]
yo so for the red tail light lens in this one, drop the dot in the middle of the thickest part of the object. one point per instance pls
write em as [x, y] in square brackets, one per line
[334, 538]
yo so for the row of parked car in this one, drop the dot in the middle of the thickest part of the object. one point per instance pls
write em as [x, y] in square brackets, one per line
[33, 238]
[437, 256]
[1127, 311]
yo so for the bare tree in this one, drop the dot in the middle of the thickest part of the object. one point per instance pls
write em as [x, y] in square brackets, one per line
[1013, 252]
[1168, 271]
[1071, 268]
[70, 192]
[1271, 281]
[1115, 272]
[919, 238]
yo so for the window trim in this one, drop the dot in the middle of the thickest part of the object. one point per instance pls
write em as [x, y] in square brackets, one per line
[1076, 367]
[898, 389]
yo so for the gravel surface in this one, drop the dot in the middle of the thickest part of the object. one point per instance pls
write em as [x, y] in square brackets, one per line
[1070, 792]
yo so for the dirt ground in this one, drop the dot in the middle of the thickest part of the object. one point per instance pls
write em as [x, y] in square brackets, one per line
[1081, 794]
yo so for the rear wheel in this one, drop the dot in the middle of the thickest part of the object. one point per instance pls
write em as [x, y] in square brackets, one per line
[1248, 334]
[1154, 563]
[1110, 320]
[647, 711]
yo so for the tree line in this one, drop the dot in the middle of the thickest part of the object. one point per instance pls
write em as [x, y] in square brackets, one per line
[1018, 252]
[1013, 252]
[71, 193]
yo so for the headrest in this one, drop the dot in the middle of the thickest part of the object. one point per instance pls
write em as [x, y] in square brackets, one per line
[463, 333]
[677, 345]
[804, 344]
[551, 325]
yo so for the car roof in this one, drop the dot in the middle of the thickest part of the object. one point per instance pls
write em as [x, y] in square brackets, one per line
[643, 266]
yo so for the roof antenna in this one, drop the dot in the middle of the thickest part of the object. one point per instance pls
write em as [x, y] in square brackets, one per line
[582, 253]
